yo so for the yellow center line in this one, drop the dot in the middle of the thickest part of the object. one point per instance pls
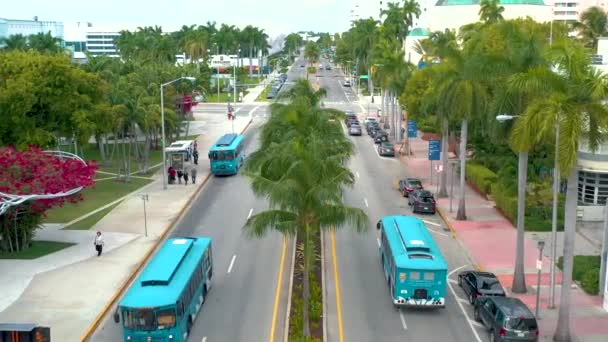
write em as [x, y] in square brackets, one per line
[337, 282]
[275, 310]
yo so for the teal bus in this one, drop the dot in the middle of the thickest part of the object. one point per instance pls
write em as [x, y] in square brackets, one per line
[226, 155]
[163, 302]
[414, 268]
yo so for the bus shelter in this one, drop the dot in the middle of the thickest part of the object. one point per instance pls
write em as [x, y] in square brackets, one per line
[179, 153]
[24, 332]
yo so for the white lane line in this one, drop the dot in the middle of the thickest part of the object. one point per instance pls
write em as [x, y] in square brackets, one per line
[357, 173]
[231, 263]
[456, 270]
[431, 223]
[438, 233]
[477, 324]
[385, 158]
[378, 241]
[452, 281]
[205, 339]
[462, 300]
[402, 320]
[252, 111]
[366, 204]
[250, 213]
[464, 312]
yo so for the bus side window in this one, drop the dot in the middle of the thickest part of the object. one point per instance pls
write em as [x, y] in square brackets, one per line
[180, 309]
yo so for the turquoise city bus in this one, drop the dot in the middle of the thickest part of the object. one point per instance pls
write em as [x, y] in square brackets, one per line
[163, 302]
[226, 155]
[414, 268]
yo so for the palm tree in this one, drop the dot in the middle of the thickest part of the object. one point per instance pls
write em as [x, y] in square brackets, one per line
[44, 42]
[302, 176]
[575, 106]
[592, 25]
[411, 9]
[490, 11]
[15, 42]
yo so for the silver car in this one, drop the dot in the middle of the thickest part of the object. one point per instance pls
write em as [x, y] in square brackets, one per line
[354, 129]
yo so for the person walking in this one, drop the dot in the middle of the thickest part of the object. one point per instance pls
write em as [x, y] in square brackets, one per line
[98, 243]
[193, 173]
[186, 176]
[180, 174]
[195, 156]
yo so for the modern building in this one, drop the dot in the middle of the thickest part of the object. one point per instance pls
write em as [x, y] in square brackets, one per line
[101, 43]
[11, 27]
[570, 10]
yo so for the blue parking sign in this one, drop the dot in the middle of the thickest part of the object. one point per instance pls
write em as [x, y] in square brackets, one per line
[434, 149]
[411, 129]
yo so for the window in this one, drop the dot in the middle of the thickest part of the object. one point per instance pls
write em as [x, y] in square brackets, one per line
[229, 155]
[415, 275]
[429, 276]
[165, 319]
[592, 188]
[139, 319]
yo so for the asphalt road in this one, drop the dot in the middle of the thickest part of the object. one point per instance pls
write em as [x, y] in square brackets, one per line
[241, 303]
[365, 307]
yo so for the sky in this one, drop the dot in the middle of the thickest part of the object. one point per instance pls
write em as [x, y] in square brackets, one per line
[275, 16]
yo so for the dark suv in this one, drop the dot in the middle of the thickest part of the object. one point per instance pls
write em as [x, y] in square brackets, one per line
[507, 319]
[422, 201]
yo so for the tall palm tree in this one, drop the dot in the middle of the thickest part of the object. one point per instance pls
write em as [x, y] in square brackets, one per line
[575, 106]
[411, 9]
[44, 42]
[15, 42]
[302, 176]
[490, 11]
[593, 25]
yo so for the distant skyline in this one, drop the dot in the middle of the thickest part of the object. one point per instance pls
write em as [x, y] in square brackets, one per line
[274, 16]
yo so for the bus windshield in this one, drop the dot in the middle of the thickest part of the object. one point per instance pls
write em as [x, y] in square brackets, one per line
[221, 155]
[149, 319]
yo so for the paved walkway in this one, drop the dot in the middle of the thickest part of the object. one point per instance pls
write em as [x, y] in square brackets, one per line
[68, 289]
[490, 241]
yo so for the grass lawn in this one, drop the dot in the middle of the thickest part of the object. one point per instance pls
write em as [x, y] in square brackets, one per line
[586, 271]
[90, 221]
[212, 97]
[37, 250]
[263, 94]
[103, 193]
[91, 152]
[251, 80]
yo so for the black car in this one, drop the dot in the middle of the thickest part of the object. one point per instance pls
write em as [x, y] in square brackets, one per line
[283, 77]
[373, 130]
[408, 185]
[328, 67]
[380, 137]
[354, 129]
[477, 284]
[422, 201]
[507, 319]
[346, 84]
[386, 149]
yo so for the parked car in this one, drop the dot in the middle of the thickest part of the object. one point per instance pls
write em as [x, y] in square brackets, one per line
[422, 201]
[380, 137]
[370, 119]
[328, 67]
[386, 149]
[478, 284]
[354, 129]
[283, 77]
[371, 125]
[507, 319]
[352, 120]
[301, 65]
[346, 83]
[408, 185]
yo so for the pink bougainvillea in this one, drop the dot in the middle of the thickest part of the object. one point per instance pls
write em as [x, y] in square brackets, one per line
[35, 172]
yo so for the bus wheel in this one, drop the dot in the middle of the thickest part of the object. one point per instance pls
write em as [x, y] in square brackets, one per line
[189, 326]
[204, 294]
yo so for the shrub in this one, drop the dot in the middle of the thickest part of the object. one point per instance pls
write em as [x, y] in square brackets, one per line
[481, 176]
[505, 201]
[590, 281]
[586, 271]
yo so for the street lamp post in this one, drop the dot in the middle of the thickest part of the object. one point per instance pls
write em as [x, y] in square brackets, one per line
[539, 267]
[162, 125]
[145, 198]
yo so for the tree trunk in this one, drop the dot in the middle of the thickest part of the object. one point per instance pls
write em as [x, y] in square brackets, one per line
[147, 153]
[306, 283]
[461, 213]
[562, 332]
[102, 150]
[519, 276]
[443, 187]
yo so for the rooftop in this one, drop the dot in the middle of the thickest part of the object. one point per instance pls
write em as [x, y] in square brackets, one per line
[476, 2]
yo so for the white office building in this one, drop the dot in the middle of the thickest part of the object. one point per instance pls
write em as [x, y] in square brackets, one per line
[10, 27]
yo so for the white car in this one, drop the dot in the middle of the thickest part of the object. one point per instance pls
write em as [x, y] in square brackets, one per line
[369, 119]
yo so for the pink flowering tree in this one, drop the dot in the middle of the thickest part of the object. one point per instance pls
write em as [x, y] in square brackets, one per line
[33, 171]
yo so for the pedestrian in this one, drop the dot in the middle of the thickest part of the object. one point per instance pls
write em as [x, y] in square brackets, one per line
[193, 173]
[98, 243]
[171, 175]
[186, 177]
[195, 145]
[195, 157]
[180, 174]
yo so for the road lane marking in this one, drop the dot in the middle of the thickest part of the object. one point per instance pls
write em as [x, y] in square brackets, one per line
[464, 312]
[250, 213]
[337, 283]
[477, 324]
[431, 223]
[452, 281]
[378, 241]
[252, 111]
[381, 157]
[275, 310]
[402, 320]
[438, 233]
[456, 270]
[366, 204]
[231, 263]
[357, 173]
[205, 339]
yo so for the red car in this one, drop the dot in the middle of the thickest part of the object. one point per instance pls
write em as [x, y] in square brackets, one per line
[407, 185]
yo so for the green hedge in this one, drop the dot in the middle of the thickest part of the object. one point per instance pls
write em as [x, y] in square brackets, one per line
[586, 271]
[481, 176]
[505, 201]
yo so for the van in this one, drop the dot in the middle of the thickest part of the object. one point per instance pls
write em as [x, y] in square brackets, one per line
[507, 319]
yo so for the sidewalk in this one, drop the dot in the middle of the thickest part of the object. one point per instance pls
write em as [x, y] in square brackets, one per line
[490, 241]
[67, 290]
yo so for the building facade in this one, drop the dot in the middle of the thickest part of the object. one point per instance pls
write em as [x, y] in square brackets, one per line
[11, 27]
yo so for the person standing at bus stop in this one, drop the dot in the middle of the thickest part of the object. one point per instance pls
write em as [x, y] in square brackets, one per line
[180, 174]
[195, 156]
[193, 173]
[98, 243]
[186, 176]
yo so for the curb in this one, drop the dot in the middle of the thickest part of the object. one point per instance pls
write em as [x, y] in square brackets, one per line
[289, 291]
[477, 266]
[323, 287]
[93, 326]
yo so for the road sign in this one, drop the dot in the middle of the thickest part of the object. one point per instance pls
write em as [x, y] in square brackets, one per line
[439, 168]
[411, 129]
[539, 265]
[434, 149]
